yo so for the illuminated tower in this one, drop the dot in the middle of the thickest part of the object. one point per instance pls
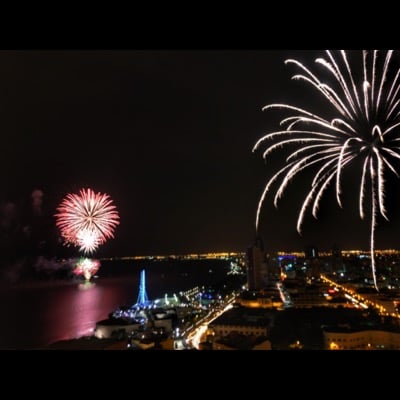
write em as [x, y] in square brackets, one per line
[142, 299]
[336, 264]
[257, 267]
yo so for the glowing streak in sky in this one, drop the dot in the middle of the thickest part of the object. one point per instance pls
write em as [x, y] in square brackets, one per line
[367, 127]
[87, 219]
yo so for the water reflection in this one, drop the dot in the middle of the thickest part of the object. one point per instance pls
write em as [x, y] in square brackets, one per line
[85, 286]
[42, 313]
[35, 315]
[85, 306]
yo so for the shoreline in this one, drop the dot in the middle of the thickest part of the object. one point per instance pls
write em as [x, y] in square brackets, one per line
[38, 284]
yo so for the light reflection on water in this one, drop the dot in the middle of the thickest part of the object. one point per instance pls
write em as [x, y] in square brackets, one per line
[85, 286]
[35, 315]
[85, 305]
[38, 315]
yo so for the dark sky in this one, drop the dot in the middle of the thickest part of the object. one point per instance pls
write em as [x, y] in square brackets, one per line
[168, 135]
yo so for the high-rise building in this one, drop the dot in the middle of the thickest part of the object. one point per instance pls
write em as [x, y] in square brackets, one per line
[311, 252]
[257, 273]
[336, 260]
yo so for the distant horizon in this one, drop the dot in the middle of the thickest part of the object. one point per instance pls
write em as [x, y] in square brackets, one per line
[227, 253]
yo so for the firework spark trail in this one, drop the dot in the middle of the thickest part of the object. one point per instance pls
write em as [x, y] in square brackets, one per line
[87, 219]
[367, 128]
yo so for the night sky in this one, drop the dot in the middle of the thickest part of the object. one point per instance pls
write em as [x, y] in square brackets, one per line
[168, 135]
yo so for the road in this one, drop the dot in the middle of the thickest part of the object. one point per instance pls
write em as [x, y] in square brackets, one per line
[195, 335]
[384, 307]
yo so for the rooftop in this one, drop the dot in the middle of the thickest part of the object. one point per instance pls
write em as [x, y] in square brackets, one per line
[243, 316]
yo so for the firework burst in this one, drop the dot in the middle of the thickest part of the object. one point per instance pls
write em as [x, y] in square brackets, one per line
[87, 240]
[87, 219]
[86, 267]
[366, 127]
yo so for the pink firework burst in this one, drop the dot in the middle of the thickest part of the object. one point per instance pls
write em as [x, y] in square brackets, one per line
[87, 219]
[86, 268]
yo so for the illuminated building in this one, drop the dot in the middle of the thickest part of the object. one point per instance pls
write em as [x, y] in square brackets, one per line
[311, 252]
[357, 339]
[257, 266]
[286, 265]
[266, 298]
[336, 261]
[242, 321]
[107, 328]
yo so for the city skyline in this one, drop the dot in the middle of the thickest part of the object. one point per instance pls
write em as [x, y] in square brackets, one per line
[168, 135]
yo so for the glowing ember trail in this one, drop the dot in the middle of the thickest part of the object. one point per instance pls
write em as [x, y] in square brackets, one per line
[87, 219]
[366, 128]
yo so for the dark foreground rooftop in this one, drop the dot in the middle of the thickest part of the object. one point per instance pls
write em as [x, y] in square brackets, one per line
[88, 343]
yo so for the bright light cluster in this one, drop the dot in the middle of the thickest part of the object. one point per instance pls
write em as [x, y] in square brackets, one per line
[366, 127]
[86, 267]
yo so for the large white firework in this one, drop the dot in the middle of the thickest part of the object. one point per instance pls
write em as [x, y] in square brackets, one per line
[367, 107]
